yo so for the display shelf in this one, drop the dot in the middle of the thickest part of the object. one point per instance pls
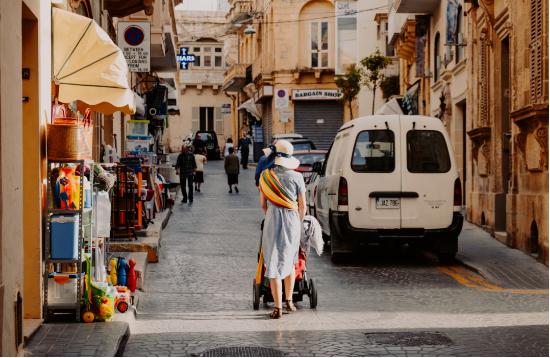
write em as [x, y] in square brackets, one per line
[87, 214]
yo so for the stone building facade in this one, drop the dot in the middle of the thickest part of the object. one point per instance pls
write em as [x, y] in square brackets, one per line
[507, 122]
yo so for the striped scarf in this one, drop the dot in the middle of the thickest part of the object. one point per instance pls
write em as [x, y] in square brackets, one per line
[273, 190]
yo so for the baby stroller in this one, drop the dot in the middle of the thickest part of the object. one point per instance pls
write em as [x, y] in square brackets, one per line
[301, 286]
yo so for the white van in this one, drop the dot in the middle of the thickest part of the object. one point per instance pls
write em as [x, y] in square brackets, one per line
[390, 179]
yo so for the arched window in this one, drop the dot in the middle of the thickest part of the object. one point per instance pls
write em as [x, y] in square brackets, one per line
[459, 26]
[437, 58]
[534, 239]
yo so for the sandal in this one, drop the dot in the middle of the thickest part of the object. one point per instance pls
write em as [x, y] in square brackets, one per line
[290, 306]
[277, 313]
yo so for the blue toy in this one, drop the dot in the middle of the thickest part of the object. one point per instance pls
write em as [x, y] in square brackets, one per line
[122, 270]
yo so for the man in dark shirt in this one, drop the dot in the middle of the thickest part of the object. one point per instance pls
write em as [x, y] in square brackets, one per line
[244, 146]
[199, 143]
[186, 167]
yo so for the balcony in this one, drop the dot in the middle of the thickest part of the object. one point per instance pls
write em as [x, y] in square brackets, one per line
[416, 6]
[262, 66]
[240, 12]
[123, 8]
[201, 77]
[235, 78]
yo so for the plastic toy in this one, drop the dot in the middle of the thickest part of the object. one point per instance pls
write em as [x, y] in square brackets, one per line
[97, 300]
[122, 271]
[114, 277]
[122, 301]
[132, 276]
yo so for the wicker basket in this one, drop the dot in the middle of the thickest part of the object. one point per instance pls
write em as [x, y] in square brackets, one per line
[63, 141]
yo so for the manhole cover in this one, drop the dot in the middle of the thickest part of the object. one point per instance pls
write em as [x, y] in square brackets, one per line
[409, 339]
[241, 352]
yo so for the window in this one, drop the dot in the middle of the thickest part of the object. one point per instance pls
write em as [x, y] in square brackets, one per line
[386, 26]
[197, 49]
[197, 62]
[390, 51]
[459, 49]
[319, 45]
[207, 61]
[208, 49]
[218, 49]
[301, 146]
[536, 50]
[437, 59]
[307, 160]
[427, 152]
[346, 41]
[218, 61]
[374, 152]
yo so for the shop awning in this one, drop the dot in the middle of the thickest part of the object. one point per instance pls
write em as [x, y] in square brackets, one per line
[392, 107]
[88, 67]
[252, 108]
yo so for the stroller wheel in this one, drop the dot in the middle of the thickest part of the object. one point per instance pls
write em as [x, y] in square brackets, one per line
[256, 295]
[312, 293]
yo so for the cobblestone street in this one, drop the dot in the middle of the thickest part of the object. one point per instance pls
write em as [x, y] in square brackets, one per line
[199, 296]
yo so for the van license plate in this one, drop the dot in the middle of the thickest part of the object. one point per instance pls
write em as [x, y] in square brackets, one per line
[387, 203]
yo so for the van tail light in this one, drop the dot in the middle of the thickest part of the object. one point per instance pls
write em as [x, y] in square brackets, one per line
[458, 193]
[343, 192]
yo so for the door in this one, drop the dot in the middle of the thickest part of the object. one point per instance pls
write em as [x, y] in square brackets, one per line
[207, 118]
[321, 200]
[318, 121]
[429, 170]
[374, 175]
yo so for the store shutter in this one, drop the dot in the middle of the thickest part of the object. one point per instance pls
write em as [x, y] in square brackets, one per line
[195, 119]
[218, 120]
[307, 114]
[536, 50]
[267, 123]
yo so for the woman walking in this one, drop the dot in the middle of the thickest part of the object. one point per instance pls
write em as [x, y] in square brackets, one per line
[232, 169]
[200, 160]
[283, 201]
[228, 144]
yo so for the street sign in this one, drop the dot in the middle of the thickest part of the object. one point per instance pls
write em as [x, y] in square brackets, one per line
[226, 110]
[183, 58]
[134, 39]
[281, 99]
[285, 113]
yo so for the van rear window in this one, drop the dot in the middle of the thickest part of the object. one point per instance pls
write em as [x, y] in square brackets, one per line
[427, 152]
[374, 152]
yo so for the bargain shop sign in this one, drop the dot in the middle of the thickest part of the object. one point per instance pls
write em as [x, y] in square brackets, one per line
[315, 94]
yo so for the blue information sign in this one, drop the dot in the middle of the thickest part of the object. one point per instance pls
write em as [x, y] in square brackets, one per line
[183, 58]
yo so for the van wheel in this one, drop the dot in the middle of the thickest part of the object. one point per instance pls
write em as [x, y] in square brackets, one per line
[446, 258]
[335, 257]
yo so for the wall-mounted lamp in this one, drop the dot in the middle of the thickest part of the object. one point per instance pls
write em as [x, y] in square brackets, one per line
[249, 30]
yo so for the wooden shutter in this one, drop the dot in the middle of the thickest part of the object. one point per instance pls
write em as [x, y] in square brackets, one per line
[536, 50]
[218, 120]
[195, 119]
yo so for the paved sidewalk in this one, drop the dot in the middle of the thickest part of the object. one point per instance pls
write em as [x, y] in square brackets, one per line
[499, 264]
[105, 339]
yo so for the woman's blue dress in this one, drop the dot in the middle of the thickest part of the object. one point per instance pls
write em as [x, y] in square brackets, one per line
[282, 228]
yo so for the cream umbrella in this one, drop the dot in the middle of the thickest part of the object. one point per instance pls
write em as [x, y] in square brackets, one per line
[88, 67]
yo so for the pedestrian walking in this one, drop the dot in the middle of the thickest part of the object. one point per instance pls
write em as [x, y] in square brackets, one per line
[265, 162]
[232, 169]
[200, 160]
[244, 146]
[198, 143]
[186, 168]
[283, 201]
[228, 144]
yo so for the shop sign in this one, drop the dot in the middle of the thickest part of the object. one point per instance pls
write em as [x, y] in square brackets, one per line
[263, 93]
[315, 94]
[183, 58]
[346, 8]
[320, 121]
[226, 106]
[285, 113]
[226, 110]
[281, 99]
[134, 39]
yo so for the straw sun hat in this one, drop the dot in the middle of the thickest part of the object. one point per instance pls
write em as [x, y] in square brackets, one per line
[284, 155]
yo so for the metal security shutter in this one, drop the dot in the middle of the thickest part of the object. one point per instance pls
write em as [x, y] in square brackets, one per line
[267, 123]
[306, 114]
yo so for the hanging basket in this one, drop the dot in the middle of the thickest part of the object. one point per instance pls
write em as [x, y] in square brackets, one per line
[63, 140]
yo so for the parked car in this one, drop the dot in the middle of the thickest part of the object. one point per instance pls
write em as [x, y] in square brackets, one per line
[302, 144]
[390, 179]
[307, 158]
[311, 191]
[287, 136]
[211, 140]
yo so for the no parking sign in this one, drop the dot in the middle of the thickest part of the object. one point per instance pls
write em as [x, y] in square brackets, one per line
[134, 39]
[281, 99]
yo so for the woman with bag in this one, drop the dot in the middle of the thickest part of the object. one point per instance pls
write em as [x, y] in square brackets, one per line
[283, 201]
